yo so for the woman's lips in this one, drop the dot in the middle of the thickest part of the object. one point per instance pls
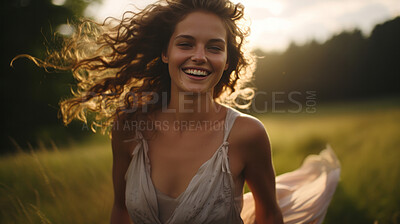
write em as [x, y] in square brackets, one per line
[196, 77]
[196, 74]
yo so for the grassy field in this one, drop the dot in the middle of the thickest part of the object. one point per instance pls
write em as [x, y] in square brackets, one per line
[73, 185]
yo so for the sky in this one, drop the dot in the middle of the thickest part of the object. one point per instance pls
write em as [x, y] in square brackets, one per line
[276, 23]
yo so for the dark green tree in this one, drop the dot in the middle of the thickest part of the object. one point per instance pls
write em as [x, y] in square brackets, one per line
[348, 66]
[29, 95]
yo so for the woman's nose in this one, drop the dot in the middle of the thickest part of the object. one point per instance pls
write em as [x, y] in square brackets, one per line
[199, 55]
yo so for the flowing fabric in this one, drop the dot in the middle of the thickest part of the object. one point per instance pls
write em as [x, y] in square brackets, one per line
[305, 193]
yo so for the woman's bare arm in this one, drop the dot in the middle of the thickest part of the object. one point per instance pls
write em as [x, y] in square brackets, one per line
[259, 172]
[121, 158]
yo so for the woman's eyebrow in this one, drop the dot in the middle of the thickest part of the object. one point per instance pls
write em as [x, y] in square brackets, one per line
[218, 40]
[184, 36]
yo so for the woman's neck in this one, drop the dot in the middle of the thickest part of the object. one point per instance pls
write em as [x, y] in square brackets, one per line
[192, 106]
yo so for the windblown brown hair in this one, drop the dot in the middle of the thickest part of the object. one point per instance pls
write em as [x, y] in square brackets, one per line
[118, 63]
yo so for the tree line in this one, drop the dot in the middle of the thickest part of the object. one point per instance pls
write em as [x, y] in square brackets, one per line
[29, 95]
[348, 66]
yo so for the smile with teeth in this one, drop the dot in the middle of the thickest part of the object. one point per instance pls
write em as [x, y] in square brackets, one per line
[196, 72]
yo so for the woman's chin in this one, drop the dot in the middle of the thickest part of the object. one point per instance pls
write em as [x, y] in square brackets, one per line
[195, 89]
[190, 91]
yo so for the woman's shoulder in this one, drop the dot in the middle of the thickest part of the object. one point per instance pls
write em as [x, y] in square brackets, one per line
[123, 134]
[248, 127]
[250, 138]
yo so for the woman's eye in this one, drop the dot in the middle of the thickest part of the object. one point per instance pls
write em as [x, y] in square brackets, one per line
[184, 45]
[215, 48]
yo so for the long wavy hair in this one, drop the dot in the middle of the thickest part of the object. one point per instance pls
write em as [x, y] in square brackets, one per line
[118, 64]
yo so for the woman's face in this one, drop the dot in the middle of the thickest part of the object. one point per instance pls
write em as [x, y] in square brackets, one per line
[197, 53]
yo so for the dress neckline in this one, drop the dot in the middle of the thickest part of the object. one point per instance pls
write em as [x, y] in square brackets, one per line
[225, 143]
[218, 150]
[215, 170]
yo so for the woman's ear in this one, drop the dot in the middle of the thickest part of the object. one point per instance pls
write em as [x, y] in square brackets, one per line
[226, 66]
[164, 57]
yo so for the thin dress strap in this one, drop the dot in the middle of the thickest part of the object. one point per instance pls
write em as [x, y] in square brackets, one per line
[231, 116]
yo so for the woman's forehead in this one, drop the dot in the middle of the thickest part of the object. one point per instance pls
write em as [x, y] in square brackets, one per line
[201, 25]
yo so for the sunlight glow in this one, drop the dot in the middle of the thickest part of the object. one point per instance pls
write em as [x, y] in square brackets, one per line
[276, 23]
[276, 8]
[269, 7]
[270, 31]
[58, 2]
[65, 29]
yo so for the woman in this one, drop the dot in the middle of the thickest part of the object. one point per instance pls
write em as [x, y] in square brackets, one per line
[160, 80]
[178, 172]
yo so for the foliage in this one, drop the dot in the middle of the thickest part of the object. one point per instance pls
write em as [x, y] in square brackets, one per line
[29, 95]
[348, 66]
[60, 186]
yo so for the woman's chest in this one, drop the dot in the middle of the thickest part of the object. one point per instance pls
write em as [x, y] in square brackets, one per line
[174, 162]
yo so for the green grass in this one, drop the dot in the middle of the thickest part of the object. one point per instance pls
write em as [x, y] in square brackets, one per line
[366, 139]
[73, 185]
[57, 186]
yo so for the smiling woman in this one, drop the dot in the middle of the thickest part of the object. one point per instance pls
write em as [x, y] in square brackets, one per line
[158, 80]
[196, 53]
[116, 64]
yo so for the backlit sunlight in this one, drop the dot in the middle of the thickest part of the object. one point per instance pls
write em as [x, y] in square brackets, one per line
[275, 23]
